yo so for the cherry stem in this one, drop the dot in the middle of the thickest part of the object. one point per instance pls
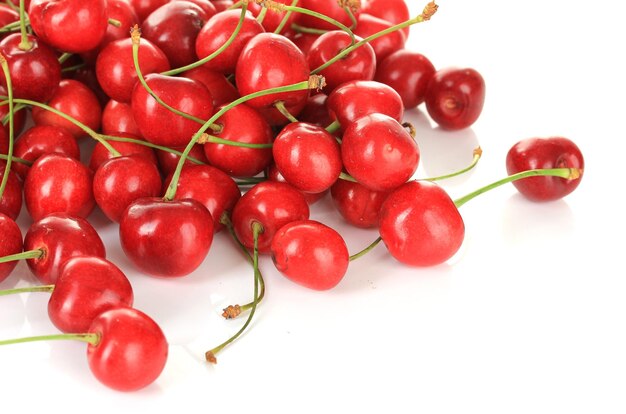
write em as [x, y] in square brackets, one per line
[11, 5]
[348, 11]
[91, 338]
[334, 127]
[11, 27]
[312, 83]
[249, 181]
[566, 173]
[30, 254]
[135, 34]
[280, 105]
[213, 55]
[366, 250]
[114, 22]
[347, 177]
[257, 229]
[16, 159]
[429, 10]
[9, 160]
[283, 22]
[65, 56]
[212, 139]
[29, 289]
[73, 67]
[16, 108]
[25, 44]
[478, 152]
[261, 15]
[150, 145]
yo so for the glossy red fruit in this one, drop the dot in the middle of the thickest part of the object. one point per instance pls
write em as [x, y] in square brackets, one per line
[357, 65]
[10, 243]
[330, 8]
[35, 73]
[60, 237]
[120, 181]
[11, 201]
[408, 73]
[19, 121]
[272, 205]
[58, 184]
[311, 254]
[357, 204]
[420, 224]
[307, 156]
[273, 17]
[73, 26]
[379, 153]
[455, 97]
[553, 152]
[144, 7]
[304, 41]
[7, 15]
[86, 287]
[101, 154]
[222, 91]
[158, 124]
[75, 99]
[355, 99]
[168, 160]
[222, 5]
[166, 238]
[206, 5]
[117, 117]
[393, 11]
[274, 175]
[132, 350]
[383, 46]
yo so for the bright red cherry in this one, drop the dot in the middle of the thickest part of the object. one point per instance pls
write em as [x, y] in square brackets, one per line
[310, 254]
[19, 121]
[408, 73]
[274, 175]
[144, 7]
[420, 224]
[330, 8]
[168, 160]
[357, 204]
[273, 18]
[101, 154]
[10, 243]
[455, 97]
[553, 152]
[315, 111]
[117, 117]
[11, 201]
[393, 11]
[222, 91]
[383, 46]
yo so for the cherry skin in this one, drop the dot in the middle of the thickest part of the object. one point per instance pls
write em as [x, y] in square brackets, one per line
[304, 41]
[222, 5]
[328, 8]
[58, 184]
[385, 45]
[393, 11]
[121, 180]
[408, 73]
[273, 18]
[222, 91]
[357, 204]
[35, 73]
[355, 99]
[310, 254]
[455, 97]
[86, 287]
[553, 152]
[57, 22]
[132, 350]
[168, 160]
[101, 154]
[206, 5]
[19, 121]
[117, 117]
[10, 243]
[270, 204]
[11, 200]
[420, 224]
[308, 157]
[315, 111]
[144, 7]
[60, 237]
[166, 238]
[274, 175]
[379, 153]
[7, 15]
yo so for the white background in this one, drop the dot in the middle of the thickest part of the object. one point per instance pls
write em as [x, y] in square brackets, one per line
[528, 317]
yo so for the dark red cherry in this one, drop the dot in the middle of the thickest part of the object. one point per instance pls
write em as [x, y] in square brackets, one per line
[19, 121]
[144, 7]
[166, 238]
[408, 73]
[11, 201]
[168, 160]
[330, 8]
[222, 91]
[7, 15]
[315, 111]
[455, 97]
[304, 41]
[383, 46]
[222, 5]
[311, 254]
[101, 154]
[357, 204]
[10, 243]
[420, 224]
[553, 152]
[60, 237]
[117, 117]
[393, 11]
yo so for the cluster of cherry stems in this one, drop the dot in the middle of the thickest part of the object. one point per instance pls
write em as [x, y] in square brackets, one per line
[321, 90]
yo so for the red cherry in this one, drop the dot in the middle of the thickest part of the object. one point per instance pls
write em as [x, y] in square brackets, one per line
[304, 41]
[10, 243]
[206, 5]
[420, 224]
[222, 91]
[270, 204]
[455, 97]
[101, 154]
[117, 117]
[35, 73]
[357, 204]
[121, 180]
[60, 237]
[86, 287]
[553, 152]
[132, 350]
[273, 18]
[7, 15]
[408, 73]
[144, 7]
[310, 254]
[315, 111]
[383, 46]
[19, 121]
[73, 26]
[308, 157]
[393, 11]
[11, 200]
[330, 8]
[168, 160]
[58, 184]
[274, 175]
[166, 238]
[222, 5]
[379, 153]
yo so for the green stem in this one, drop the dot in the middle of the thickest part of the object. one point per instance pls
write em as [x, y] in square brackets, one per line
[150, 145]
[366, 250]
[280, 105]
[249, 181]
[65, 56]
[29, 289]
[347, 177]
[321, 16]
[478, 152]
[212, 139]
[16, 159]
[566, 173]
[16, 108]
[283, 22]
[73, 67]
[334, 127]
[11, 27]
[91, 338]
[114, 22]
[30, 254]
[9, 160]
[238, 4]
[25, 44]
[261, 15]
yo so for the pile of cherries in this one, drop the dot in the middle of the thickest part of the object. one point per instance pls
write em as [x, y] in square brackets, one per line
[217, 115]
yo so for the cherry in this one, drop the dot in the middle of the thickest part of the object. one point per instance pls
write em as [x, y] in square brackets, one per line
[329, 8]
[11, 199]
[57, 183]
[535, 153]
[455, 97]
[73, 26]
[121, 180]
[10, 244]
[270, 204]
[357, 65]
[222, 5]
[385, 45]
[86, 287]
[310, 254]
[222, 91]
[169, 160]
[206, 5]
[100, 154]
[87, 76]
[273, 18]
[315, 111]
[117, 117]
[166, 238]
[57, 238]
[35, 72]
[393, 11]
[379, 153]
[311, 198]
[420, 224]
[408, 73]
[304, 41]
[7, 15]
[308, 157]
[357, 204]
[144, 7]
[19, 121]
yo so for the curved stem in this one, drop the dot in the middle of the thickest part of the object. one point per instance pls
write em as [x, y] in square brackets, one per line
[16, 108]
[566, 173]
[25, 44]
[320, 16]
[212, 139]
[91, 338]
[30, 254]
[347, 177]
[65, 56]
[283, 22]
[150, 145]
[350, 14]
[366, 250]
[7, 167]
[280, 105]
[16, 159]
[478, 152]
[73, 67]
[13, 26]
[29, 289]
[261, 15]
